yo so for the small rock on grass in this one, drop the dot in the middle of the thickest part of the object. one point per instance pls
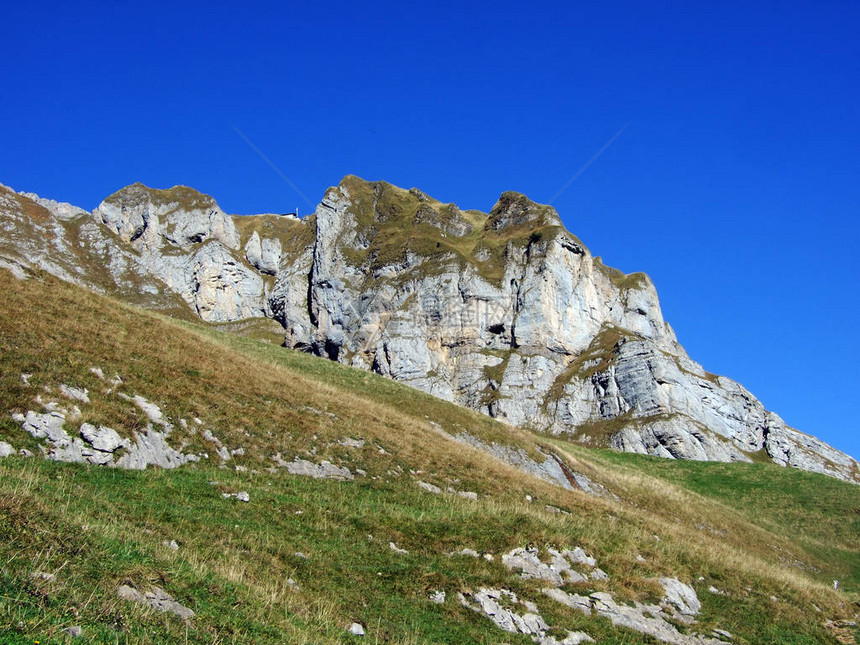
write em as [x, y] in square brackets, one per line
[157, 599]
[430, 488]
[356, 629]
[471, 553]
[397, 549]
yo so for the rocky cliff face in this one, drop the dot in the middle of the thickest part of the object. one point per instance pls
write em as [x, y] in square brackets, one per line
[173, 250]
[510, 314]
[505, 312]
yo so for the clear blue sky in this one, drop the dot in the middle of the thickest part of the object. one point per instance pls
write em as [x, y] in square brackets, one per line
[736, 185]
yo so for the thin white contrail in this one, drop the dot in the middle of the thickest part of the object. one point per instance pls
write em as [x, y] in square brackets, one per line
[590, 161]
[274, 167]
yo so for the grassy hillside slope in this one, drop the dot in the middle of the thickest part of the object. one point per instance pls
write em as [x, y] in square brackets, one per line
[304, 558]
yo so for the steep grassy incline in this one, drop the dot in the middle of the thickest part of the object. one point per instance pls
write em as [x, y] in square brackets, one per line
[305, 558]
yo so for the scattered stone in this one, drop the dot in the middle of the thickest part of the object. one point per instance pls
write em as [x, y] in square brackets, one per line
[322, 470]
[74, 631]
[25, 453]
[104, 439]
[77, 393]
[644, 619]
[292, 584]
[352, 443]
[99, 446]
[573, 638]
[722, 633]
[172, 544]
[152, 411]
[6, 450]
[467, 494]
[680, 600]
[157, 599]
[578, 556]
[437, 597]
[715, 591]
[356, 629]
[242, 496]
[237, 452]
[220, 449]
[25, 378]
[300, 555]
[471, 553]
[114, 383]
[557, 572]
[599, 574]
[430, 488]
[572, 600]
[548, 470]
[397, 549]
[680, 597]
[151, 448]
[45, 426]
[490, 602]
[97, 372]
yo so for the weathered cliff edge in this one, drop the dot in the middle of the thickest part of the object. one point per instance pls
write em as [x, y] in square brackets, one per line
[504, 312]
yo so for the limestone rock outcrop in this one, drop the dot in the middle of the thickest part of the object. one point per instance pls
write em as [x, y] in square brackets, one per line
[505, 312]
[508, 313]
[170, 250]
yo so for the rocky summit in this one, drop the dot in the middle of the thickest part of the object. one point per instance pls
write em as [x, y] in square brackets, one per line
[504, 312]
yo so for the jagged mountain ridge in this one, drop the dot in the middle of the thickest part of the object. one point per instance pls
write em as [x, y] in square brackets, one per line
[504, 312]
